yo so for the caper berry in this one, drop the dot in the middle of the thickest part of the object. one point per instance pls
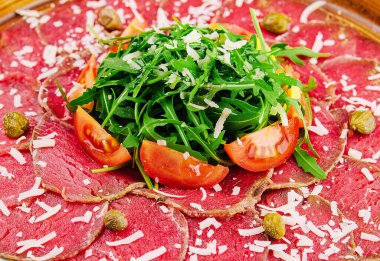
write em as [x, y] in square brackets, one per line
[362, 121]
[274, 226]
[115, 220]
[277, 23]
[109, 18]
[15, 124]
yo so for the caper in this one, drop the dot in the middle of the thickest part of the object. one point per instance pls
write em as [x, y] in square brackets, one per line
[277, 23]
[115, 220]
[109, 18]
[15, 124]
[274, 226]
[362, 121]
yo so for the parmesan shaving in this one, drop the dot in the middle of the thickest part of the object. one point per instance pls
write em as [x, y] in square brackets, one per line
[310, 9]
[33, 192]
[367, 174]
[250, 231]
[33, 243]
[4, 209]
[167, 194]
[220, 123]
[85, 218]
[128, 240]
[151, 255]
[17, 155]
[52, 254]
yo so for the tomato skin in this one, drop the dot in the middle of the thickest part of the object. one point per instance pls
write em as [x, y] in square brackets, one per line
[86, 80]
[172, 169]
[134, 28]
[233, 28]
[247, 154]
[99, 144]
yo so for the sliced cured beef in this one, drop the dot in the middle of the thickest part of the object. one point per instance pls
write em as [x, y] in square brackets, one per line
[68, 167]
[367, 48]
[238, 192]
[153, 232]
[231, 12]
[50, 97]
[355, 187]
[16, 177]
[357, 82]
[49, 228]
[332, 38]
[21, 50]
[227, 239]
[17, 94]
[328, 139]
[146, 8]
[315, 230]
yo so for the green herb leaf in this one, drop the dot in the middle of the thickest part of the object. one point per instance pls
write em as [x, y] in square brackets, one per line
[308, 163]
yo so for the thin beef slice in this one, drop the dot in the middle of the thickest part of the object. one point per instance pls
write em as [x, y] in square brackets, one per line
[49, 228]
[314, 229]
[226, 239]
[153, 231]
[355, 187]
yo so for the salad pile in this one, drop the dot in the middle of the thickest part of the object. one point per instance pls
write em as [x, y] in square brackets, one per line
[184, 103]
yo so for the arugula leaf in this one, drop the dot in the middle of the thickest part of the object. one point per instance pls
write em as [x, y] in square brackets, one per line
[294, 53]
[308, 163]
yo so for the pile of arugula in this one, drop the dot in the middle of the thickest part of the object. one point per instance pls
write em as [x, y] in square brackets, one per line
[174, 84]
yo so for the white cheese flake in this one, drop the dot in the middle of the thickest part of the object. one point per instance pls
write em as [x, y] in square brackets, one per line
[220, 123]
[217, 188]
[50, 211]
[208, 222]
[4, 209]
[43, 143]
[128, 240]
[196, 206]
[33, 192]
[33, 243]
[250, 231]
[355, 153]
[85, 218]
[151, 255]
[334, 208]
[318, 129]
[367, 174]
[5, 173]
[310, 9]
[49, 256]
[161, 142]
[235, 191]
[204, 194]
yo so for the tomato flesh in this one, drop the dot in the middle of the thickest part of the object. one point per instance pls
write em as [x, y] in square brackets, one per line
[99, 144]
[135, 27]
[171, 168]
[265, 149]
[296, 93]
[86, 80]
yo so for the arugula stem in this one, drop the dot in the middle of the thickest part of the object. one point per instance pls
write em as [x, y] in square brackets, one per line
[110, 168]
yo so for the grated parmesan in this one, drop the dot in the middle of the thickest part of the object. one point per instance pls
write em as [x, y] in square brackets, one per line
[310, 9]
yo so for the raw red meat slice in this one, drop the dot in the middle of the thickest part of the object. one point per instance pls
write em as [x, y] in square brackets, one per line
[15, 178]
[353, 76]
[49, 228]
[335, 38]
[153, 227]
[222, 239]
[68, 168]
[238, 192]
[313, 227]
[330, 147]
[367, 48]
[358, 199]
[17, 94]
[231, 13]
[20, 50]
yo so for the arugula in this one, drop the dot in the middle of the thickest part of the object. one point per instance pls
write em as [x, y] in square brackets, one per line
[173, 85]
[308, 163]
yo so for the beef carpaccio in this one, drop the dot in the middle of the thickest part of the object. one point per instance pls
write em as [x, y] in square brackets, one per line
[52, 206]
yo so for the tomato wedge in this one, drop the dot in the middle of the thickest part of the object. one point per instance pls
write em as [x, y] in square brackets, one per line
[99, 144]
[265, 149]
[233, 28]
[86, 80]
[172, 169]
[296, 93]
[136, 26]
